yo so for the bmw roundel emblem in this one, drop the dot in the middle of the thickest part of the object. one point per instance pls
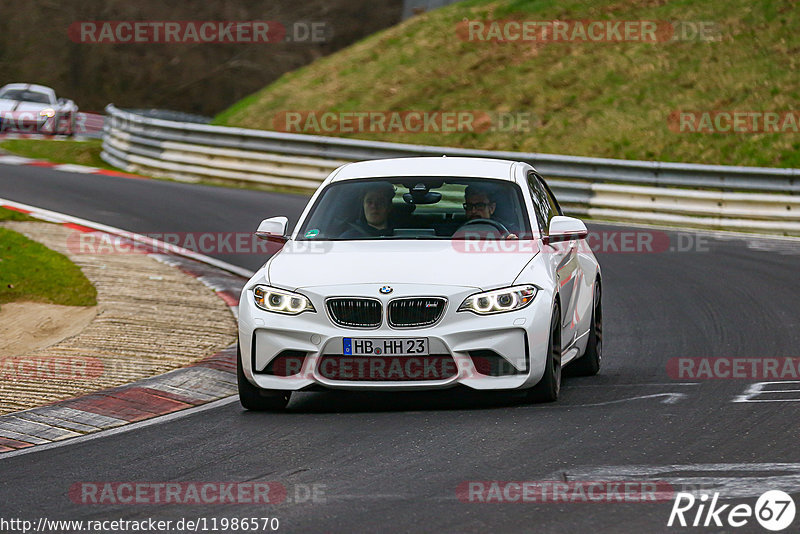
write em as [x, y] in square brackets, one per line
[386, 290]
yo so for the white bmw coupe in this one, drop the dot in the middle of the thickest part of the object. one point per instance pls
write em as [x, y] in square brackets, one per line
[422, 273]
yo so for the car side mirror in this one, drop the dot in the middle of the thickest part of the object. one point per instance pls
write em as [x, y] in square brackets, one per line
[565, 229]
[273, 229]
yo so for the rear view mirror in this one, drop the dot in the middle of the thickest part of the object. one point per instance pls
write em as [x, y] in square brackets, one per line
[430, 197]
[421, 194]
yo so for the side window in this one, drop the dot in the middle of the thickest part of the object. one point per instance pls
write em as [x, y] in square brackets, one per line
[550, 198]
[544, 211]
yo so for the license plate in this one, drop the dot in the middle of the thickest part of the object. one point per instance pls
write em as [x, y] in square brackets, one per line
[407, 346]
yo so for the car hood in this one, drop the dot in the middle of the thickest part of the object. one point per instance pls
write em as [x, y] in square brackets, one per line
[325, 263]
[16, 105]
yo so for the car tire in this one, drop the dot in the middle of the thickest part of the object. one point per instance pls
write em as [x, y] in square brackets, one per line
[589, 363]
[71, 126]
[257, 399]
[549, 386]
[58, 122]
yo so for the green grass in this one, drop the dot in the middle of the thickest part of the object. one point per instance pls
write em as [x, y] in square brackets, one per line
[58, 151]
[590, 99]
[29, 271]
[12, 215]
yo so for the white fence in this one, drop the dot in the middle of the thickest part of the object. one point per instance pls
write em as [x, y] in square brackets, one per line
[681, 194]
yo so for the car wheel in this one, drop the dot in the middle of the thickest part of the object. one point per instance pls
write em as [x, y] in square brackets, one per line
[71, 126]
[589, 363]
[549, 386]
[257, 399]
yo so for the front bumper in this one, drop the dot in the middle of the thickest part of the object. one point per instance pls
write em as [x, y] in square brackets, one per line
[518, 338]
[24, 122]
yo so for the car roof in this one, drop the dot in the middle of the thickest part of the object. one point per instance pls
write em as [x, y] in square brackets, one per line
[28, 86]
[428, 166]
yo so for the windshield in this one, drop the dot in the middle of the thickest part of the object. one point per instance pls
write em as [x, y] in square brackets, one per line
[417, 208]
[24, 95]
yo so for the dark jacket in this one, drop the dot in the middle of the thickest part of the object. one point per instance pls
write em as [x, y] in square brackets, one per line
[361, 229]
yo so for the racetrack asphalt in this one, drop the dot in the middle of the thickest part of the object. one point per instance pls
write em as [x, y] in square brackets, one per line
[394, 461]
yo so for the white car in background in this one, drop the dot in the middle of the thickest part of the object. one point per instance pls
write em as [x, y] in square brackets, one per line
[422, 273]
[29, 108]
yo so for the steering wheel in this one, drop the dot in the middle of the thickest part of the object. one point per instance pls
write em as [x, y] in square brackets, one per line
[497, 225]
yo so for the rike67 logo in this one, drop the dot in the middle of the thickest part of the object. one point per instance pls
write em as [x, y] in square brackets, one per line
[774, 510]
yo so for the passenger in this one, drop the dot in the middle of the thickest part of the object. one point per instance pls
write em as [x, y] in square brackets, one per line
[373, 219]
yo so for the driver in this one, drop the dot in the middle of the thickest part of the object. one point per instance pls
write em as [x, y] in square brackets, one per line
[376, 206]
[480, 203]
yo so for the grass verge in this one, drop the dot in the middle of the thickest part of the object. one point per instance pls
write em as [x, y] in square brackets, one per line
[58, 151]
[29, 271]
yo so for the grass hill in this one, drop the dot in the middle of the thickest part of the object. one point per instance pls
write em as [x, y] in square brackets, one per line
[607, 99]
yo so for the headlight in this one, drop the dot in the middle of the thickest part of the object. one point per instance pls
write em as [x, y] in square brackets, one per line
[49, 112]
[499, 300]
[280, 301]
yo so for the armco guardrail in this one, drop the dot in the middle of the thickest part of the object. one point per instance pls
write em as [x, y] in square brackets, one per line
[707, 196]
